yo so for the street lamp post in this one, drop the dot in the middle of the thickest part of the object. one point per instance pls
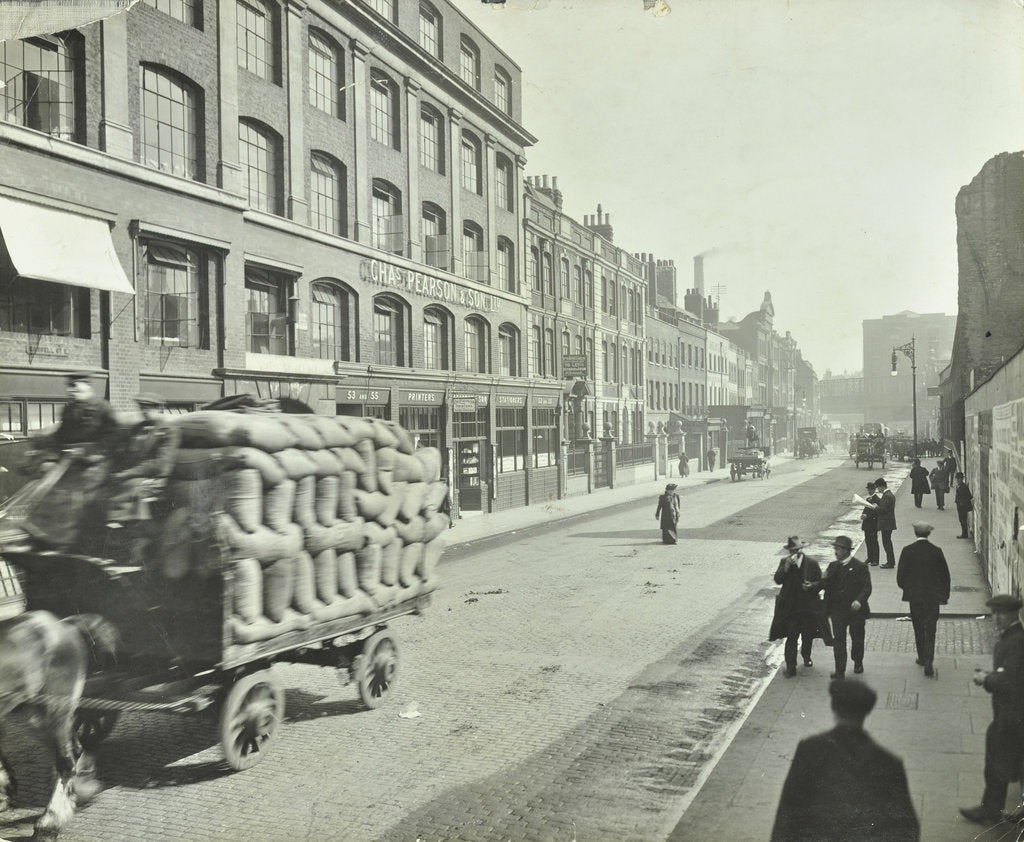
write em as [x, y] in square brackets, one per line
[908, 351]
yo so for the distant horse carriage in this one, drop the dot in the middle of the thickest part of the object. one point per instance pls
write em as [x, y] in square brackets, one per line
[748, 460]
[870, 445]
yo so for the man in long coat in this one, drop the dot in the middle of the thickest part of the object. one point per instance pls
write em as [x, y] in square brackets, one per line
[885, 508]
[919, 482]
[1004, 739]
[847, 585]
[842, 786]
[869, 525]
[799, 611]
[923, 574]
[667, 513]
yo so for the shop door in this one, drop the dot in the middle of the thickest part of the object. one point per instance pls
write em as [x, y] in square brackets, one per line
[469, 455]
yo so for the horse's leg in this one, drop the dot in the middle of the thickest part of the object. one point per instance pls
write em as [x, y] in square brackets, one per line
[8, 784]
[58, 728]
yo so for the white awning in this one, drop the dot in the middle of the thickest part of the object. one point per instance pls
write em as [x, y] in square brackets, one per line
[48, 244]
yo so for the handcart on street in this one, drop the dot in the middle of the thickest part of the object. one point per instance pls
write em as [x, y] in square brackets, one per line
[190, 593]
[748, 460]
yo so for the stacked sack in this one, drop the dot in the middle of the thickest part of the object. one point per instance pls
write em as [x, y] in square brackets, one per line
[320, 517]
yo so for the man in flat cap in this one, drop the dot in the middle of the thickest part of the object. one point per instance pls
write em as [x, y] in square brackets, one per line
[1004, 739]
[799, 611]
[847, 585]
[842, 786]
[923, 574]
[87, 417]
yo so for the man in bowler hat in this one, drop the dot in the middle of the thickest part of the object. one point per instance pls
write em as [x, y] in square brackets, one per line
[964, 504]
[842, 786]
[799, 611]
[869, 525]
[923, 574]
[1004, 739]
[885, 509]
[847, 585]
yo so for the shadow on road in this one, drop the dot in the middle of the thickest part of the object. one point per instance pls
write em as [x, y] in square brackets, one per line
[301, 706]
[650, 534]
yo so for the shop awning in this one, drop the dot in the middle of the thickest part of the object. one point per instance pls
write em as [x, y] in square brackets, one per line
[49, 244]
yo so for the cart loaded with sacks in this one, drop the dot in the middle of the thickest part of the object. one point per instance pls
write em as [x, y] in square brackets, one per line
[276, 537]
[748, 460]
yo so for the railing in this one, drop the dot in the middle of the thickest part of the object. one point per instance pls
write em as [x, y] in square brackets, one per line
[576, 462]
[634, 454]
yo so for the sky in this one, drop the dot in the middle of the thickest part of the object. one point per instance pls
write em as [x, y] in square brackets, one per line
[810, 148]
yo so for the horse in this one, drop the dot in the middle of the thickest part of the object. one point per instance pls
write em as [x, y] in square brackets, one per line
[44, 662]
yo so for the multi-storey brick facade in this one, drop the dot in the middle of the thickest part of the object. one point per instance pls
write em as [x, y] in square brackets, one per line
[313, 200]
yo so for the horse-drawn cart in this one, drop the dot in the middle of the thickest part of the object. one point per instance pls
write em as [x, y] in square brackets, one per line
[297, 540]
[748, 460]
[870, 448]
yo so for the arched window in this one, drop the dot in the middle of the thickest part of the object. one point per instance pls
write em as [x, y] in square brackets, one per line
[579, 344]
[508, 350]
[532, 277]
[437, 338]
[477, 343]
[474, 258]
[170, 123]
[259, 155]
[471, 156]
[566, 343]
[431, 139]
[563, 278]
[504, 179]
[577, 279]
[40, 92]
[388, 229]
[256, 36]
[184, 11]
[431, 30]
[390, 330]
[605, 371]
[502, 90]
[384, 110]
[469, 62]
[332, 320]
[588, 285]
[435, 236]
[326, 75]
[506, 265]
[547, 282]
[327, 194]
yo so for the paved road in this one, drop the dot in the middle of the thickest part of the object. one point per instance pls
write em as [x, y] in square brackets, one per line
[572, 681]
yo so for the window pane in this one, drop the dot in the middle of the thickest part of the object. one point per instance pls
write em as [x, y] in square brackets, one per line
[168, 125]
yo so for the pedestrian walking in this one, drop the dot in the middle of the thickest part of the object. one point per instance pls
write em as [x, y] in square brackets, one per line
[1004, 739]
[885, 508]
[964, 504]
[711, 454]
[842, 786]
[950, 466]
[923, 574]
[869, 525]
[939, 485]
[668, 513]
[847, 585]
[799, 611]
[919, 482]
[684, 465]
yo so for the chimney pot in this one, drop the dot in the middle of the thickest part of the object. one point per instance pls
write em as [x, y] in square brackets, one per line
[554, 182]
[545, 182]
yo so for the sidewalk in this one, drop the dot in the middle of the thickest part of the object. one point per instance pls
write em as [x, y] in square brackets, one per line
[936, 725]
[474, 526]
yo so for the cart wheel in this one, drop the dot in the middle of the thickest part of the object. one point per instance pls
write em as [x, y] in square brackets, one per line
[376, 669]
[92, 727]
[249, 719]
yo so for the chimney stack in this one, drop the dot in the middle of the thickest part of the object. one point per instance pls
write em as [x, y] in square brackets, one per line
[602, 225]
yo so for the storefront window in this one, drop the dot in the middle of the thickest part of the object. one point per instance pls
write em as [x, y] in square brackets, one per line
[41, 307]
[424, 423]
[267, 324]
[510, 436]
[173, 296]
[545, 437]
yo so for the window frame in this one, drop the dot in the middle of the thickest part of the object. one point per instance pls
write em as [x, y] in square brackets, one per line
[267, 194]
[431, 43]
[432, 139]
[325, 88]
[397, 311]
[263, 62]
[343, 328]
[385, 110]
[443, 359]
[267, 283]
[476, 345]
[196, 263]
[323, 166]
[469, 71]
[470, 158]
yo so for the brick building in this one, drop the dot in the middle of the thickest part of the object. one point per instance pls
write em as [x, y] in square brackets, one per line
[842, 400]
[308, 199]
[587, 305]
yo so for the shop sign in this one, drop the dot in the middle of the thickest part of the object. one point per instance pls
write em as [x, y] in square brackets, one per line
[406, 280]
[574, 365]
[367, 396]
[406, 396]
[544, 400]
[48, 346]
[464, 404]
[511, 400]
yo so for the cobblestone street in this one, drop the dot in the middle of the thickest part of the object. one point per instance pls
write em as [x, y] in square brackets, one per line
[571, 694]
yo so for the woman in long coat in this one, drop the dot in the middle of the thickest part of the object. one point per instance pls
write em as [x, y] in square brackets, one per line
[668, 513]
[919, 482]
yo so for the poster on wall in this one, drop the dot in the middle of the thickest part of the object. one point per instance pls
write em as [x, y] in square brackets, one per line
[1006, 492]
